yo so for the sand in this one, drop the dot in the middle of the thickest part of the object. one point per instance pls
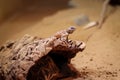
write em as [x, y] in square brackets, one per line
[101, 58]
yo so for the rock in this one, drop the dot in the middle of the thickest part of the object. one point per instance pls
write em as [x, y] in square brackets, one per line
[32, 58]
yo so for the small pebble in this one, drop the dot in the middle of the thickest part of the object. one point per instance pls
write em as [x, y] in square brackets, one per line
[91, 59]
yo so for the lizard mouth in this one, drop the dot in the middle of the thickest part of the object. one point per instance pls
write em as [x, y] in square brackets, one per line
[56, 64]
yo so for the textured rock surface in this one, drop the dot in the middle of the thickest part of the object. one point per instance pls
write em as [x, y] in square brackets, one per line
[33, 58]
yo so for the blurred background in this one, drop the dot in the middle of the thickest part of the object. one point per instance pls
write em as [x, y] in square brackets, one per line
[43, 18]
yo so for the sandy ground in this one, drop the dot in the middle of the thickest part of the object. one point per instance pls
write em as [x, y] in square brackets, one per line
[101, 58]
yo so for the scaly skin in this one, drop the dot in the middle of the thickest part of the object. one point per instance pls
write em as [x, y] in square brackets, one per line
[24, 53]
